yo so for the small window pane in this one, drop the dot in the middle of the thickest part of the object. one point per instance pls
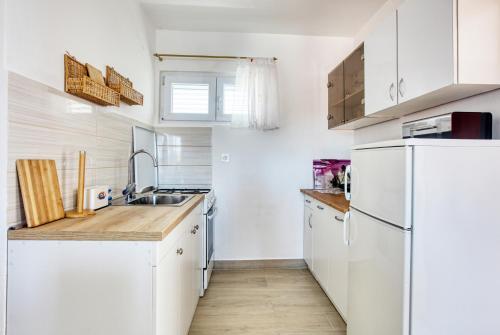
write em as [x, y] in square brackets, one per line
[190, 98]
[229, 102]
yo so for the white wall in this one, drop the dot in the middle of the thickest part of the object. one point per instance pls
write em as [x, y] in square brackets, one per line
[112, 32]
[3, 168]
[260, 207]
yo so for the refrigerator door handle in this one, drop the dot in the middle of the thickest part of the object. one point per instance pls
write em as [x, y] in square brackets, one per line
[347, 216]
[347, 179]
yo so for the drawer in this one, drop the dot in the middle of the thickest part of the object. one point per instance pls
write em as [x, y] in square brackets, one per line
[309, 201]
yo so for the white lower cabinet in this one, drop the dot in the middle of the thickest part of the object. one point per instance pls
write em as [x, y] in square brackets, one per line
[308, 251]
[321, 241]
[168, 295]
[325, 252]
[106, 287]
[337, 262]
[178, 282]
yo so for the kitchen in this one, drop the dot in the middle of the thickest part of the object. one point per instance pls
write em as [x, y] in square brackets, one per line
[263, 279]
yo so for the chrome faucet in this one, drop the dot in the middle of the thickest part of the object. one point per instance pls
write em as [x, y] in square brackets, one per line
[129, 190]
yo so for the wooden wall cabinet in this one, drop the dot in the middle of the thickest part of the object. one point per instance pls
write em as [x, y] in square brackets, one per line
[336, 93]
[346, 90]
[354, 81]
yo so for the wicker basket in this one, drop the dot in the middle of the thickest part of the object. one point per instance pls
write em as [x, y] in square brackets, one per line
[123, 86]
[77, 82]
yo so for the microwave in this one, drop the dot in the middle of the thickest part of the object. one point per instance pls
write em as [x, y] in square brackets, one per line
[456, 125]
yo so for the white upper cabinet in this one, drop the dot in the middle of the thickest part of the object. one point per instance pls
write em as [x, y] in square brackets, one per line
[435, 51]
[381, 65]
[425, 47]
[479, 36]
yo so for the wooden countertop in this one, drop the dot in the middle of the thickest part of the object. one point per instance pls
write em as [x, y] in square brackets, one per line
[114, 223]
[337, 201]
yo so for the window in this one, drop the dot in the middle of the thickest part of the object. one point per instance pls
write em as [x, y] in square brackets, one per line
[225, 97]
[196, 96]
[186, 96]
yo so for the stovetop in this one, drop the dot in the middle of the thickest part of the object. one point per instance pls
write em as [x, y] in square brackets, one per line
[183, 190]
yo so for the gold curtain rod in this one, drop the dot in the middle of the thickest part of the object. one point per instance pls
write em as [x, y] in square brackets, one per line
[161, 56]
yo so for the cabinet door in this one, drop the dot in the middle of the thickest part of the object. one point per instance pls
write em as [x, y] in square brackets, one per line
[426, 55]
[168, 294]
[338, 262]
[198, 275]
[308, 236]
[195, 263]
[354, 85]
[320, 244]
[186, 275]
[336, 93]
[381, 66]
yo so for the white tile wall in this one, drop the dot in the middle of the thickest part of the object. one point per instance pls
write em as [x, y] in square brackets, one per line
[183, 175]
[47, 124]
[185, 157]
[185, 136]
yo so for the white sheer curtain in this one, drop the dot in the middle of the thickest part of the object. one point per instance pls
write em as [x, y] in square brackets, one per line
[256, 103]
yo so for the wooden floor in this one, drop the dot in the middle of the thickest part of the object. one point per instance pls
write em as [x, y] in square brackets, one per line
[265, 302]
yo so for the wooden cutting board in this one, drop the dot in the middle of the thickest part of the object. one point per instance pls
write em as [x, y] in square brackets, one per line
[40, 191]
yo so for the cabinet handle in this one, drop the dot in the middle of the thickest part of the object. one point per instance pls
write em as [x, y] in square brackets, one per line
[391, 91]
[308, 201]
[401, 87]
[347, 216]
[329, 85]
[310, 217]
[193, 231]
[319, 207]
[197, 227]
[338, 219]
[180, 251]
[330, 116]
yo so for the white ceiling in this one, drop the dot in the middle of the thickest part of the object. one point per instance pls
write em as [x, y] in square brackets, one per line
[302, 17]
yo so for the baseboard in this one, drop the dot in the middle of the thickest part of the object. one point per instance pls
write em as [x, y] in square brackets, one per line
[260, 264]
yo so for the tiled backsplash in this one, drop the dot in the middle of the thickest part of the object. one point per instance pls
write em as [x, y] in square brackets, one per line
[185, 157]
[48, 124]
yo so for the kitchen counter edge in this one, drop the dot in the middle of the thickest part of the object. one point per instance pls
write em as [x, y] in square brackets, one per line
[337, 201]
[156, 228]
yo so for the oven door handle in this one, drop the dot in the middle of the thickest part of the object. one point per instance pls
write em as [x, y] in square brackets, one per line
[214, 212]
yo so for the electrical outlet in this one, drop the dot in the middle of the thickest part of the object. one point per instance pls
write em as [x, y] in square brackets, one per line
[225, 158]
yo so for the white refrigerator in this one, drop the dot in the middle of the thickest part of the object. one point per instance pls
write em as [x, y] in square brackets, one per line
[424, 238]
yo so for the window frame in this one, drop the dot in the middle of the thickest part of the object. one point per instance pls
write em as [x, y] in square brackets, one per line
[215, 80]
[221, 80]
[168, 78]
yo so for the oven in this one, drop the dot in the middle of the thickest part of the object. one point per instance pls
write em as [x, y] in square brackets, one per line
[208, 245]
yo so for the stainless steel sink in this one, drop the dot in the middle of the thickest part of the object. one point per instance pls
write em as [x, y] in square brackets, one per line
[161, 199]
